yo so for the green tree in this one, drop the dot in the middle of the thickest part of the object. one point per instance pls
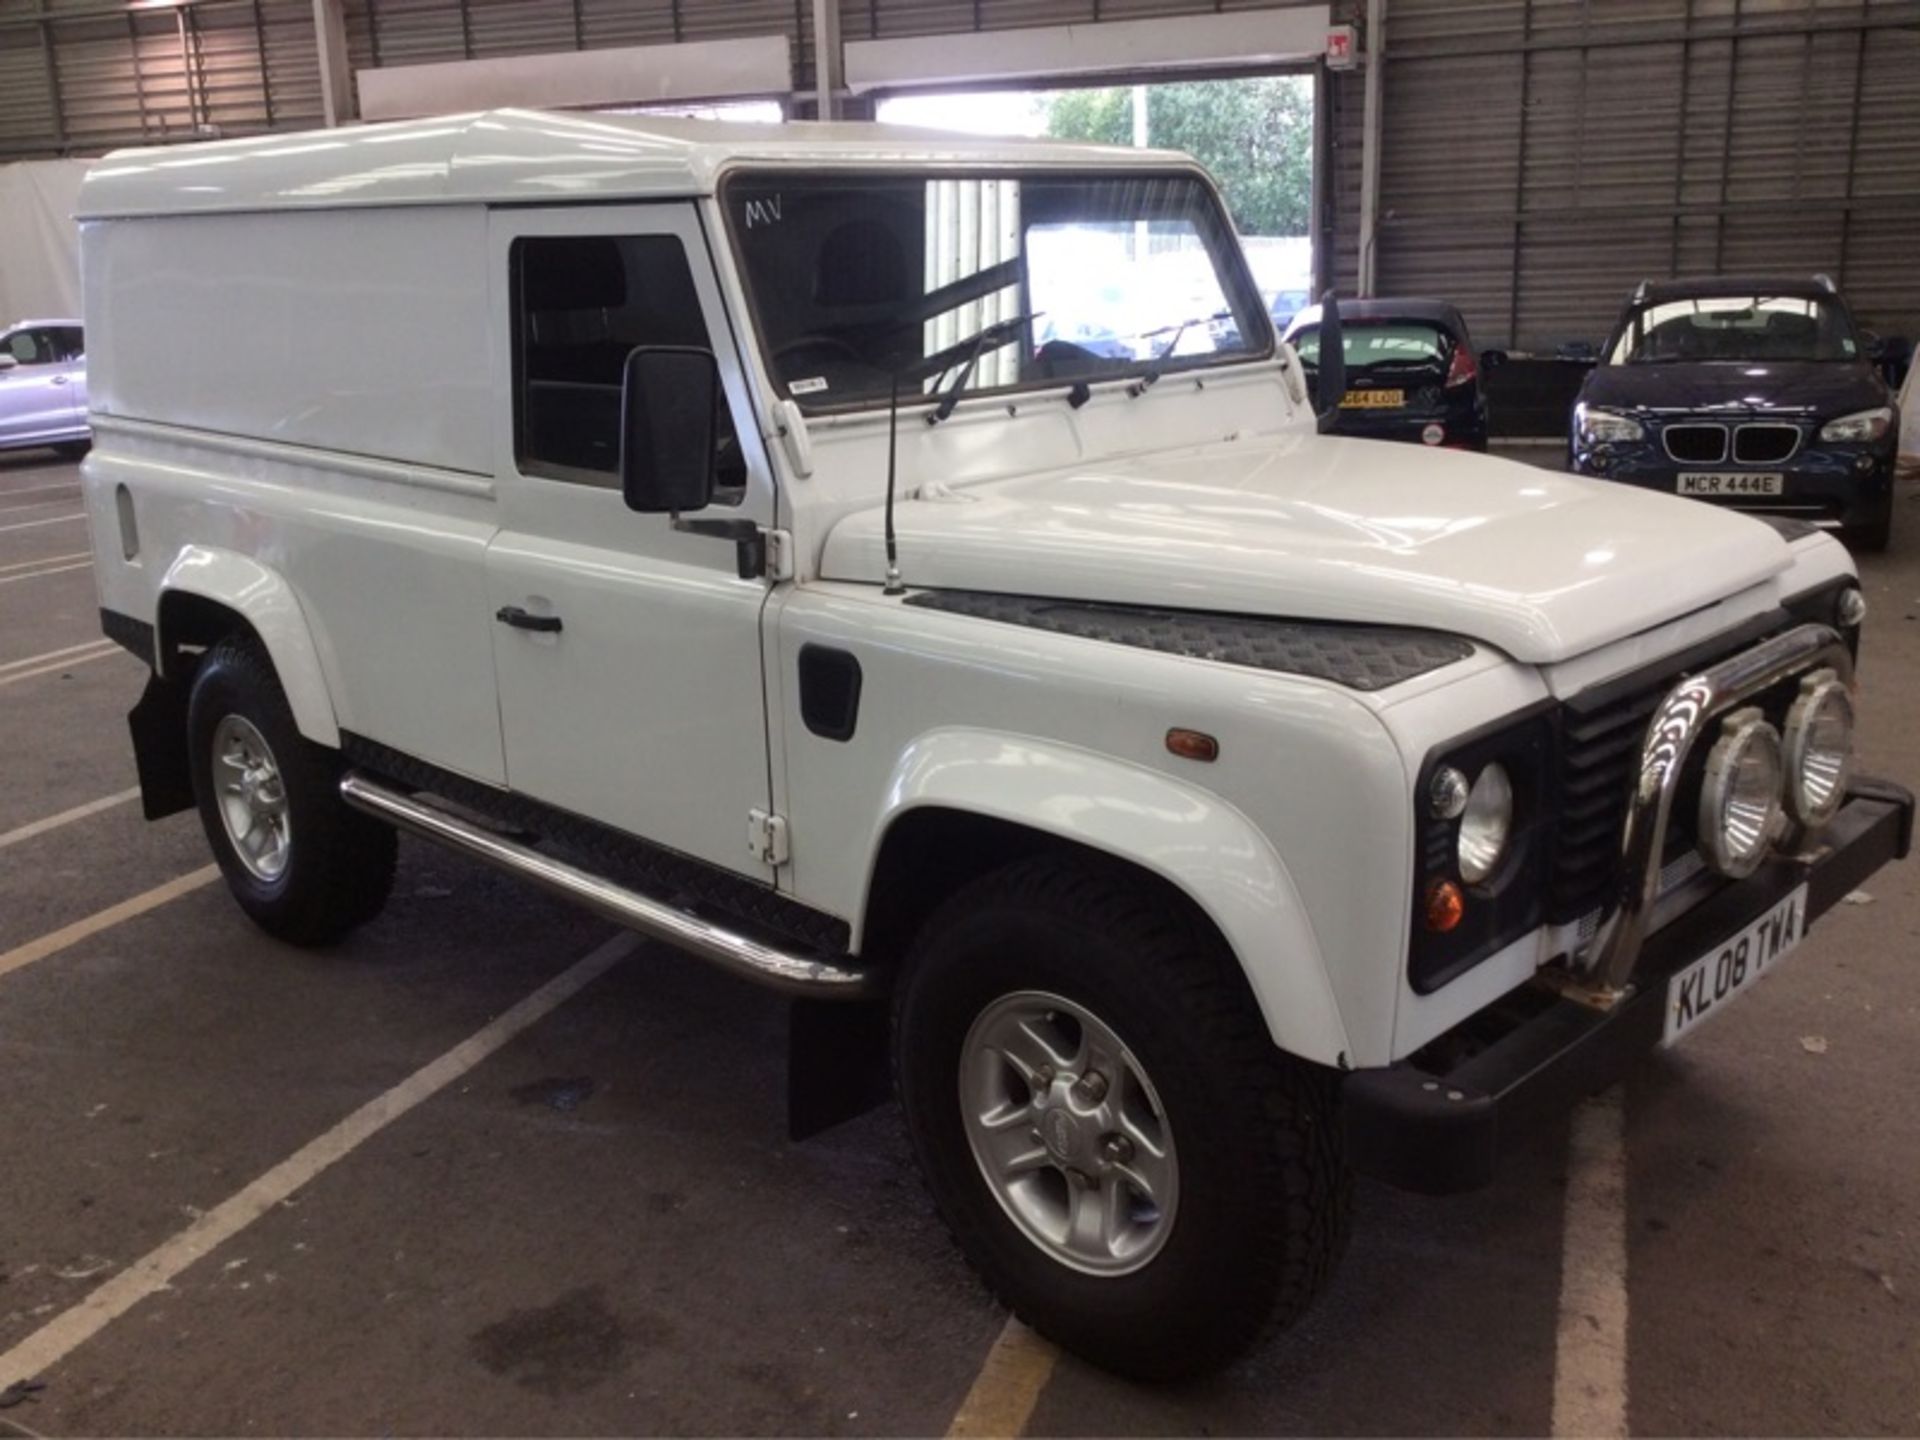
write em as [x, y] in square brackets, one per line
[1256, 136]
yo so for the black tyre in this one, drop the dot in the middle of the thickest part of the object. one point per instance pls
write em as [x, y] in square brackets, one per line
[305, 867]
[1106, 1125]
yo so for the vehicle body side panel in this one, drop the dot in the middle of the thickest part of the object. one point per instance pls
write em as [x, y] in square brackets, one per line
[1068, 736]
[383, 569]
[365, 334]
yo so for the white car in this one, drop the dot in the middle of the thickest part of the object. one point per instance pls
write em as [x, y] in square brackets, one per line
[684, 518]
[43, 386]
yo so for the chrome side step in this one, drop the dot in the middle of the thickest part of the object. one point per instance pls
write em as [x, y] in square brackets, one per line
[794, 974]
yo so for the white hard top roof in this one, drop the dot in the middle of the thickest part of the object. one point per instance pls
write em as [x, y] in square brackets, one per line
[528, 156]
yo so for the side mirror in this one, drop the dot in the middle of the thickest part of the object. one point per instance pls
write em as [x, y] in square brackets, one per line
[670, 402]
[1333, 362]
[1877, 349]
[1492, 359]
[7, 362]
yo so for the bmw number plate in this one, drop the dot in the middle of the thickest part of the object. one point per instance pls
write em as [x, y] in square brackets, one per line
[1705, 986]
[1715, 482]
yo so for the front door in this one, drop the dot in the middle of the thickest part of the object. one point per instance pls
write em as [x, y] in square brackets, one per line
[36, 391]
[644, 708]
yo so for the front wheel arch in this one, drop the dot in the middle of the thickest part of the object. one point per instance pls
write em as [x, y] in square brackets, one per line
[962, 802]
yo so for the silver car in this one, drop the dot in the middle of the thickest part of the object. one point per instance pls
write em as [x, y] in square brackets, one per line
[43, 386]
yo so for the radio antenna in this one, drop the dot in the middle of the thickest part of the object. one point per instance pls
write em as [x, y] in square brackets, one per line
[895, 586]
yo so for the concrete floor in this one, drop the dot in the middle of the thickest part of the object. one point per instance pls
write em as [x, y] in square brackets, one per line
[602, 1229]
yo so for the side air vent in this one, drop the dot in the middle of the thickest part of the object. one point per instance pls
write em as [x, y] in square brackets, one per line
[829, 691]
[129, 527]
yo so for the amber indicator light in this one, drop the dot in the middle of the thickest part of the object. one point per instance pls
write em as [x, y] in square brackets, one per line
[1446, 906]
[1193, 745]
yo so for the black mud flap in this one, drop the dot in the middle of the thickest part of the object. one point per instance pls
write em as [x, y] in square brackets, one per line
[159, 726]
[836, 1063]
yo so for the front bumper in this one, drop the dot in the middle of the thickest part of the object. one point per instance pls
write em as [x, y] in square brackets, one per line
[1842, 486]
[1439, 1129]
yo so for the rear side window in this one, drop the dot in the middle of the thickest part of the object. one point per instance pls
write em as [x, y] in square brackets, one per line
[581, 305]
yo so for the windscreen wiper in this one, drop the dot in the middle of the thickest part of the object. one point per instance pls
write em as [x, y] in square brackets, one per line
[1001, 332]
[1157, 366]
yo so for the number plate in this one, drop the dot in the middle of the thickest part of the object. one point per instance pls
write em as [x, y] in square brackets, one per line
[1373, 399]
[1712, 482]
[1705, 986]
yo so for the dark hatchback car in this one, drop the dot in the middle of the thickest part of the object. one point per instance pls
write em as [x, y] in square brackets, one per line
[1411, 372]
[1754, 394]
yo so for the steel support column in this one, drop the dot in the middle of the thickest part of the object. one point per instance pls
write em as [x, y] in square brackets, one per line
[1370, 144]
[336, 75]
[829, 59]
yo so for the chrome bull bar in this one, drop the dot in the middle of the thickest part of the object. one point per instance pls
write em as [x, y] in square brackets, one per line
[1686, 713]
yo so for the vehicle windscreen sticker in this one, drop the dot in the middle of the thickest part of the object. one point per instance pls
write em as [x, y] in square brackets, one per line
[763, 212]
[812, 385]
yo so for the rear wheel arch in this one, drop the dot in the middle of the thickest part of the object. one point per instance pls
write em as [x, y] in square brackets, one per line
[210, 595]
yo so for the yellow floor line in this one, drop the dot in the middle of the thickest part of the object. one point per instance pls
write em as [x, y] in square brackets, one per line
[1001, 1401]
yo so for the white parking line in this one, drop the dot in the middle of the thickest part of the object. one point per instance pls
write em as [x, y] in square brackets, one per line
[67, 817]
[45, 655]
[35, 524]
[64, 487]
[68, 936]
[66, 1332]
[52, 570]
[1590, 1353]
[1001, 1401]
[43, 560]
[33, 504]
[79, 655]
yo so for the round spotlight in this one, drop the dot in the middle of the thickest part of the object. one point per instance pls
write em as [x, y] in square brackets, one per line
[1486, 824]
[1818, 749]
[1852, 608]
[1740, 795]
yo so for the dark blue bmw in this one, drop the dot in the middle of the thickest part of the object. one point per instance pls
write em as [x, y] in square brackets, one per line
[1754, 394]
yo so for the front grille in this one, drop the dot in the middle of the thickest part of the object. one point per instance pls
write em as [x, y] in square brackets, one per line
[1697, 444]
[1599, 752]
[1765, 444]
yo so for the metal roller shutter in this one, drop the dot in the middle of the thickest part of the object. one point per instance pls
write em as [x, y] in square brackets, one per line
[1541, 157]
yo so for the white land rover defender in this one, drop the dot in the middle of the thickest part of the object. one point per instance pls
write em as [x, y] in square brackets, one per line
[906, 571]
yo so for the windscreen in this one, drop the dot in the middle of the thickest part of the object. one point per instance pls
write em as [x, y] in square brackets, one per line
[857, 279]
[1736, 327]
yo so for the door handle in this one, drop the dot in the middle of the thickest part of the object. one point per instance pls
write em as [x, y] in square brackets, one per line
[521, 620]
[60, 379]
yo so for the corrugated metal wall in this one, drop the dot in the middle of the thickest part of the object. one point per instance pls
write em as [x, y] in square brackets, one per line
[1541, 157]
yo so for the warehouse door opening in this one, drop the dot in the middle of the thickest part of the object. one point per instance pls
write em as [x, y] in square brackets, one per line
[1255, 134]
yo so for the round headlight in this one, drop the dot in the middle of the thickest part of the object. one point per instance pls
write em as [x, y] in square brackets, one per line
[1485, 825]
[1740, 795]
[1819, 749]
